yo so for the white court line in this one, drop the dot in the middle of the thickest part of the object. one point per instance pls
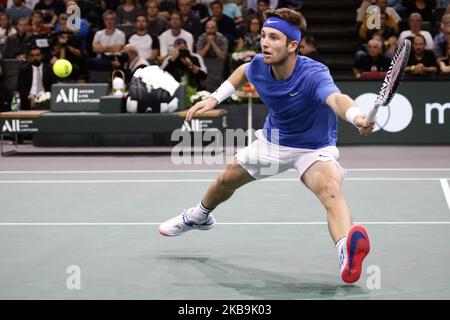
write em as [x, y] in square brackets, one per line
[214, 170]
[201, 180]
[446, 189]
[12, 224]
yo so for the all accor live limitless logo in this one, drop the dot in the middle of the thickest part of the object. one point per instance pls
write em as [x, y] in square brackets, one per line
[11, 126]
[72, 97]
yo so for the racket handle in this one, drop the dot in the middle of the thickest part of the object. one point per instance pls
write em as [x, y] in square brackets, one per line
[372, 114]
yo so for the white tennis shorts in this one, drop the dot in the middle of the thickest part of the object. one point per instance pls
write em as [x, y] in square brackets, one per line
[263, 159]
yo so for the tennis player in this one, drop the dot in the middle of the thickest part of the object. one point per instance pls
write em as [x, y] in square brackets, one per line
[300, 132]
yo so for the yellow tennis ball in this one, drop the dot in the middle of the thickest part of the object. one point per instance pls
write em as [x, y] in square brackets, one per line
[62, 68]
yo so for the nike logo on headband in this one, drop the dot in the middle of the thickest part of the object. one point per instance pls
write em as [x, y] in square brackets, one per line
[271, 21]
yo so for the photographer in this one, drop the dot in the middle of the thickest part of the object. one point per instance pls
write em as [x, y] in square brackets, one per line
[68, 46]
[181, 62]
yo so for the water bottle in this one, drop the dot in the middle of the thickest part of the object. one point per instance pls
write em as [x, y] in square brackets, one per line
[14, 104]
[18, 100]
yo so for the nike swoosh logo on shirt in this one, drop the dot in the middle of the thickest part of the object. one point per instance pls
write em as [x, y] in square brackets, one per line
[292, 94]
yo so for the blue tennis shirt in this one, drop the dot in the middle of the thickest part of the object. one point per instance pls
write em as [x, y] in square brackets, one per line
[297, 105]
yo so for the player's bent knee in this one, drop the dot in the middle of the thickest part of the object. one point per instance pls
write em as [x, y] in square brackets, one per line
[330, 189]
[232, 177]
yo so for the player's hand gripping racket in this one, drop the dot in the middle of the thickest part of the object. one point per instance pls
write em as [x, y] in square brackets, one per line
[392, 79]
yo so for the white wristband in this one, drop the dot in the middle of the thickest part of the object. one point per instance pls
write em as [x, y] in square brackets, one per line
[352, 113]
[225, 90]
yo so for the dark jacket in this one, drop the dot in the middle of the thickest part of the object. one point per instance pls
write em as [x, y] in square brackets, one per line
[178, 69]
[15, 45]
[25, 81]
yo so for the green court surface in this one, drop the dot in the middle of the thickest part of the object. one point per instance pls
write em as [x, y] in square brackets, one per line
[271, 241]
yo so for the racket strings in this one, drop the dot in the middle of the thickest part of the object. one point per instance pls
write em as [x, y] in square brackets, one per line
[394, 73]
[388, 107]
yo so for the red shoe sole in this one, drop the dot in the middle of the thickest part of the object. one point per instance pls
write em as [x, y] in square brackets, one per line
[358, 247]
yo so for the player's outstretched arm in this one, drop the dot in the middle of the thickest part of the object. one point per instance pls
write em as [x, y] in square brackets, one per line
[235, 80]
[345, 107]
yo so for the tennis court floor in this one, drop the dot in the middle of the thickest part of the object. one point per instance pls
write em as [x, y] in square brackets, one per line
[99, 230]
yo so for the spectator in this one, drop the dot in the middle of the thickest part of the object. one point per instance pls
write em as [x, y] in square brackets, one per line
[82, 31]
[200, 10]
[146, 44]
[168, 37]
[18, 10]
[373, 64]
[391, 12]
[257, 10]
[225, 25]
[34, 78]
[5, 29]
[156, 24]
[392, 17]
[50, 9]
[253, 4]
[397, 5]
[385, 31]
[441, 39]
[109, 5]
[126, 12]
[444, 64]
[232, 11]
[16, 45]
[36, 25]
[252, 37]
[213, 47]
[424, 7]
[190, 22]
[183, 63]
[134, 60]
[385, 34]
[389, 46]
[29, 3]
[308, 48]
[90, 14]
[166, 7]
[5, 93]
[415, 24]
[422, 62]
[107, 42]
[68, 46]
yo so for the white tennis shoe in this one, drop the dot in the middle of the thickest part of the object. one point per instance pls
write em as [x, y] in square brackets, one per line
[181, 224]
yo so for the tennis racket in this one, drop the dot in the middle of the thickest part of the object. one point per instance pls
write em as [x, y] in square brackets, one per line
[392, 78]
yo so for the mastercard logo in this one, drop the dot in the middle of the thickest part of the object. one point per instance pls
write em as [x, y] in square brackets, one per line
[393, 118]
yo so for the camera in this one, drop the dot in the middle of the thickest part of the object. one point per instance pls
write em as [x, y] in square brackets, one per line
[184, 53]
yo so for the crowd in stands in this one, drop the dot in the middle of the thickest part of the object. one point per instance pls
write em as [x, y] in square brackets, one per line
[191, 39]
[382, 25]
[194, 39]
